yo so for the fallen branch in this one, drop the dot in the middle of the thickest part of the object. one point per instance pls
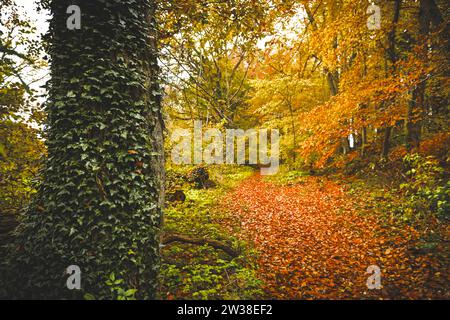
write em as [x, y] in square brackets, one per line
[170, 238]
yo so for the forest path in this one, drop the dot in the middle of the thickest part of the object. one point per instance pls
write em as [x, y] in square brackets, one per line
[313, 244]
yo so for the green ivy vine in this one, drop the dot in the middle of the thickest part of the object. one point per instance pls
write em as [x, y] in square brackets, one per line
[99, 204]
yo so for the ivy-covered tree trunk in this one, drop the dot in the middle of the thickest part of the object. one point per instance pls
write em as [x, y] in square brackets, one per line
[393, 58]
[99, 205]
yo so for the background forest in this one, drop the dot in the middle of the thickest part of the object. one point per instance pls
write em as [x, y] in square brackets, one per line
[358, 90]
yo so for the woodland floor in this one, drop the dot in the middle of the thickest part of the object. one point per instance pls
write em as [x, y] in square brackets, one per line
[315, 241]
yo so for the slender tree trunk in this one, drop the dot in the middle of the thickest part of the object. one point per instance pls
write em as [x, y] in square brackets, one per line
[294, 142]
[392, 54]
[345, 145]
[99, 205]
[428, 14]
[333, 84]
[413, 125]
[363, 140]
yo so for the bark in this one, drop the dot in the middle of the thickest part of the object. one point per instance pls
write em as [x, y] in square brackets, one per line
[294, 142]
[429, 14]
[413, 125]
[386, 142]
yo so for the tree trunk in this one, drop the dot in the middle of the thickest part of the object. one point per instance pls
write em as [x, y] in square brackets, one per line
[333, 84]
[386, 143]
[345, 145]
[99, 205]
[428, 14]
[413, 125]
[294, 142]
[363, 140]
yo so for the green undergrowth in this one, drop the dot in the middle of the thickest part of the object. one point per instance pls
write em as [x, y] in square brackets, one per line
[201, 271]
[416, 193]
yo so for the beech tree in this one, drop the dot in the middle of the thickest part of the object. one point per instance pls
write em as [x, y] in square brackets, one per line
[99, 204]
